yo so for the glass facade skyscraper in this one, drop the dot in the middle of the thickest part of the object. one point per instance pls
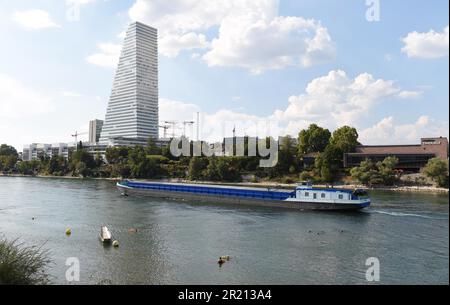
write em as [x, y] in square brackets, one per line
[132, 113]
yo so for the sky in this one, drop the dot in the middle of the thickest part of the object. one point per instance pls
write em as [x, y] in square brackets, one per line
[263, 67]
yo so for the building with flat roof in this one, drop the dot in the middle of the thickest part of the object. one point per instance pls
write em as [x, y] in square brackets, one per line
[411, 157]
[95, 129]
[36, 150]
[132, 113]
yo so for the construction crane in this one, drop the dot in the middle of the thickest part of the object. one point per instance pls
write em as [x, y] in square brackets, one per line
[173, 124]
[184, 126]
[76, 138]
[165, 127]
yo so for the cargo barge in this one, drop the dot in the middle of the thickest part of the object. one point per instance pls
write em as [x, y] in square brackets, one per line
[304, 197]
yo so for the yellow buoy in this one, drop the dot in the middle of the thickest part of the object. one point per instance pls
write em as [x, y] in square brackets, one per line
[115, 243]
[68, 231]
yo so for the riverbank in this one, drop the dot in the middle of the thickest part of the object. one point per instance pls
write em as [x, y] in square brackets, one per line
[264, 184]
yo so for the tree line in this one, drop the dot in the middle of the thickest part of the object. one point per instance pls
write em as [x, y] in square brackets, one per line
[156, 162]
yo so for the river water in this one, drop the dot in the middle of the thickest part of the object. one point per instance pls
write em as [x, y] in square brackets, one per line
[180, 242]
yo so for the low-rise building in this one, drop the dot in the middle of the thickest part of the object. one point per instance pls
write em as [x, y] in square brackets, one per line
[410, 157]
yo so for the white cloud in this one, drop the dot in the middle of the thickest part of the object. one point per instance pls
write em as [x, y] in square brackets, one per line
[34, 19]
[108, 56]
[410, 94]
[251, 34]
[79, 2]
[258, 44]
[386, 131]
[19, 101]
[331, 101]
[427, 45]
[171, 45]
[336, 99]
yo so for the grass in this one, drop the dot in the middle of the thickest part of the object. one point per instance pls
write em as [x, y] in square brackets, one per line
[23, 265]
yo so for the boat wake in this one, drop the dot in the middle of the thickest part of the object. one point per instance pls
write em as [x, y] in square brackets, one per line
[400, 214]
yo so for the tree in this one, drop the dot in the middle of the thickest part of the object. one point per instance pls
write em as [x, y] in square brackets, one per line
[212, 171]
[369, 173]
[6, 150]
[313, 139]
[437, 170]
[152, 148]
[286, 156]
[8, 157]
[116, 154]
[81, 162]
[365, 172]
[386, 170]
[28, 167]
[57, 165]
[227, 170]
[345, 139]
[196, 167]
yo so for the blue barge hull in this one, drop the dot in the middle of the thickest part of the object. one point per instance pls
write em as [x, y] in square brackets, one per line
[212, 190]
[227, 195]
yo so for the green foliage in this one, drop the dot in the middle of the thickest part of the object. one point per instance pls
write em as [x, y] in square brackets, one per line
[212, 171]
[6, 150]
[8, 158]
[196, 167]
[29, 167]
[313, 139]
[437, 170]
[381, 173]
[7, 162]
[228, 170]
[116, 155]
[345, 139]
[81, 163]
[20, 265]
[287, 157]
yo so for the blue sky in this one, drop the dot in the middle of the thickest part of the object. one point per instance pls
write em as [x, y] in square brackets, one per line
[289, 62]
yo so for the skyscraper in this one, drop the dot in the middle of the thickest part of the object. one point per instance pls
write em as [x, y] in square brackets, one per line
[132, 113]
[95, 129]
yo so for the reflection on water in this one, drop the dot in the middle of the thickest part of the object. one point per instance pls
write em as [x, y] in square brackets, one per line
[179, 243]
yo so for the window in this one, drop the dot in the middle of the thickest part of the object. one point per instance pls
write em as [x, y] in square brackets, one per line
[306, 194]
[322, 195]
[341, 196]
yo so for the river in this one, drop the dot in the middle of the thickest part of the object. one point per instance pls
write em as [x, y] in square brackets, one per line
[180, 242]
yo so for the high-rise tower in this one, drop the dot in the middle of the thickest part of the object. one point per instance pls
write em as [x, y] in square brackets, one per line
[132, 113]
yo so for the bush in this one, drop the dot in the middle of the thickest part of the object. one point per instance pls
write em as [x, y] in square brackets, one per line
[437, 170]
[21, 265]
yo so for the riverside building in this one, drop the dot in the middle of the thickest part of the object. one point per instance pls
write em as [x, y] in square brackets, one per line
[132, 113]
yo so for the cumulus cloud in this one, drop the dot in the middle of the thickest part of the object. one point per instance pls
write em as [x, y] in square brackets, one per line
[171, 45]
[331, 101]
[20, 101]
[34, 19]
[251, 34]
[388, 132]
[79, 2]
[336, 99]
[258, 44]
[427, 45]
[108, 55]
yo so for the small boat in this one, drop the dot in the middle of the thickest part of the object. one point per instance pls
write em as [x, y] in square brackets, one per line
[304, 197]
[105, 235]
